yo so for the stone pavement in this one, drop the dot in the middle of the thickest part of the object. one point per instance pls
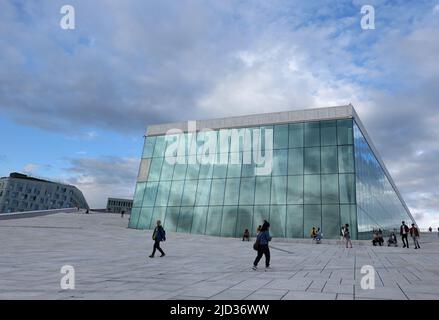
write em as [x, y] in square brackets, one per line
[111, 262]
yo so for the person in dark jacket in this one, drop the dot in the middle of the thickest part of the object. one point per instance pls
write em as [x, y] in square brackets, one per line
[263, 238]
[404, 231]
[158, 235]
[414, 233]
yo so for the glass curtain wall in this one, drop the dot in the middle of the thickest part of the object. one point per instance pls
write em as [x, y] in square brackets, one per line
[378, 205]
[311, 184]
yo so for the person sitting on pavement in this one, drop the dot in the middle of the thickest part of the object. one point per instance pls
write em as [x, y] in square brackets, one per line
[392, 240]
[246, 236]
[319, 236]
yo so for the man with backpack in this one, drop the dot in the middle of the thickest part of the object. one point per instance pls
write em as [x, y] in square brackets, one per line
[403, 231]
[158, 235]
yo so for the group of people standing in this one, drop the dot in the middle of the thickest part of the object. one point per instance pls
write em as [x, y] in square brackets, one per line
[404, 231]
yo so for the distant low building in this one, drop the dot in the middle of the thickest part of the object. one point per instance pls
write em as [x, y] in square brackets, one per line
[117, 205]
[20, 192]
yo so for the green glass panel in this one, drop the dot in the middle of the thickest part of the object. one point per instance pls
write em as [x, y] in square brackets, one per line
[329, 160]
[228, 224]
[217, 192]
[220, 170]
[347, 188]
[295, 161]
[134, 218]
[163, 194]
[150, 194]
[331, 221]
[312, 189]
[145, 218]
[279, 190]
[214, 221]
[262, 191]
[180, 169]
[231, 195]
[328, 132]
[278, 221]
[296, 135]
[280, 163]
[171, 218]
[294, 228]
[148, 148]
[234, 165]
[206, 171]
[312, 160]
[265, 135]
[193, 168]
[281, 136]
[295, 190]
[189, 192]
[160, 146]
[312, 134]
[203, 192]
[247, 191]
[167, 169]
[138, 194]
[244, 221]
[185, 219]
[155, 169]
[329, 188]
[176, 193]
[199, 220]
[248, 166]
[345, 159]
[344, 132]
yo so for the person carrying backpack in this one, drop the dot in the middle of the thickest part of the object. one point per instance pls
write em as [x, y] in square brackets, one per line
[158, 235]
[261, 245]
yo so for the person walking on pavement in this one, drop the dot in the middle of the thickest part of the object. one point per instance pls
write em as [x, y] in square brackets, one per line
[414, 233]
[347, 236]
[342, 235]
[403, 231]
[158, 235]
[261, 245]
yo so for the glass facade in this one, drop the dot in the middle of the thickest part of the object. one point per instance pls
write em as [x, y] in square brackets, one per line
[323, 174]
[378, 205]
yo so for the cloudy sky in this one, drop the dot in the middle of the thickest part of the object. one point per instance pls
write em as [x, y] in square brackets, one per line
[74, 104]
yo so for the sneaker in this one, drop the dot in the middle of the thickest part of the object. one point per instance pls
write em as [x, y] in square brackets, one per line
[267, 268]
[162, 255]
[254, 267]
[151, 256]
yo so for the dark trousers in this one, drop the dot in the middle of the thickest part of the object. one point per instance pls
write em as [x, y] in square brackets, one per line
[405, 241]
[263, 250]
[157, 247]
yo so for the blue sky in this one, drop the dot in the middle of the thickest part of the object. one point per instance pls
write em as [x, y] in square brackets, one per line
[75, 104]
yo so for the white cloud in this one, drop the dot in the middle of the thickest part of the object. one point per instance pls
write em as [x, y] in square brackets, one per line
[30, 168]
